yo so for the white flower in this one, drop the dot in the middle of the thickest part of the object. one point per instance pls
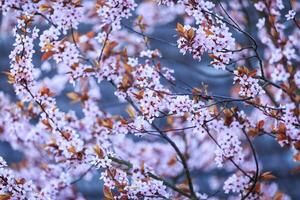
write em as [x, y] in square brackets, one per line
[2, 162]
[259, 6]
[113, 11]
[261, 23]
[280, 74]
[249, 86]
[236, 184]
[297, 78]
[291, 14]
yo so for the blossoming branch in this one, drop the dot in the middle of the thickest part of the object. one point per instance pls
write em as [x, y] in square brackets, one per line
[164, 135]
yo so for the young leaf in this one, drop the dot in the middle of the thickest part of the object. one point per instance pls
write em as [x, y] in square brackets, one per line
[107, 193]
[267, 176]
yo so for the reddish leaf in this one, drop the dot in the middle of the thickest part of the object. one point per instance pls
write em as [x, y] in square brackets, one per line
[260, 124]
[47, 55]
[107, 193]
[267, 176]
[5, 196]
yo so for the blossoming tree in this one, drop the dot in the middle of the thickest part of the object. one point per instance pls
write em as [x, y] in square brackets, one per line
[168, 133]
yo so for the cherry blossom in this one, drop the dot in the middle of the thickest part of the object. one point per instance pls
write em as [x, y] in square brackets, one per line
[291, 14]
[149, 134]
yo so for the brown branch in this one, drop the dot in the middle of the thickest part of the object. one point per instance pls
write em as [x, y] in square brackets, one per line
[172, 143]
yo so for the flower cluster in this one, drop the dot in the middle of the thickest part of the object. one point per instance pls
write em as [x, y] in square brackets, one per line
[297, 78]
[290, 15]
[217, 44]
[27, 7]
[290, 120]
[280, 74]
[22, 71]
[140, 185]
[166, 2]
[249, 86]
[66, 16]
[236, 184]
[132, 117]
[14, 187]
[229, 144]
[212, 36]
[113, 11]
[157, 14]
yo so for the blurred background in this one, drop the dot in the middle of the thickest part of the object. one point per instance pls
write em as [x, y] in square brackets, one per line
[189, 73]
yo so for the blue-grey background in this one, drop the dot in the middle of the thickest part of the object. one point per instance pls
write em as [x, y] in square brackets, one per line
[188, 73]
